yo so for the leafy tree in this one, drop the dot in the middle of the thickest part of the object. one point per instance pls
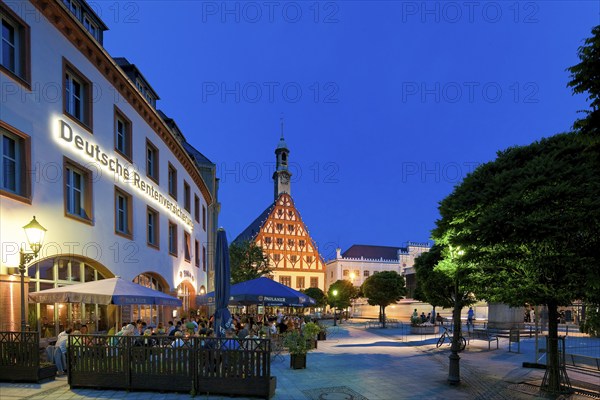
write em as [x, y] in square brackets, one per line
[345, 293]
[383, 289]
[247, 262]
[585, 78]
[318, 295]
[529, 226]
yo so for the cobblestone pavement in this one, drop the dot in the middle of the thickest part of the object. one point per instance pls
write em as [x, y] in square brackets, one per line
[355, 363]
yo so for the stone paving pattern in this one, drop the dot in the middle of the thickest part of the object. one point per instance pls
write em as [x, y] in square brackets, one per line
[375, 364]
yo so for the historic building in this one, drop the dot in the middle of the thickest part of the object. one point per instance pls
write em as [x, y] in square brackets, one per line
[281, 233]
[112, 178]
[361, 261]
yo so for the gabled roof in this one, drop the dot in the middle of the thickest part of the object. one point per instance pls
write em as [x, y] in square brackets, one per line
[254, 228]
[374, 252]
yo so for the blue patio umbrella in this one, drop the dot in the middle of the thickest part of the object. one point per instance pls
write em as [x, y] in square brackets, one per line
[222, 282]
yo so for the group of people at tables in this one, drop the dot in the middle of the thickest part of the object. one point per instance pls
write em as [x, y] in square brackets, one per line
[242, 327]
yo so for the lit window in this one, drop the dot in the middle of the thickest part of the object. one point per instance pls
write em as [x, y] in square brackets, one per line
[123, 213]
[14, 43]
[78, 191]
[151, 161]
[13, 166]
[152, 228]
[172, 181]
[122, 135]
[172, 239]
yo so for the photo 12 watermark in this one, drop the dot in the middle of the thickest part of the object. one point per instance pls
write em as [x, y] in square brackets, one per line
[254, 12]
[469, 92]
[455, 12]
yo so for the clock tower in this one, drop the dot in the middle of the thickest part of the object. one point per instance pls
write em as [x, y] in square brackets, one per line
[282, 175]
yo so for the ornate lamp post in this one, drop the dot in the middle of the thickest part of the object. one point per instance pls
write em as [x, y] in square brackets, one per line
[335, 293]
[454, 367]
[35, 236]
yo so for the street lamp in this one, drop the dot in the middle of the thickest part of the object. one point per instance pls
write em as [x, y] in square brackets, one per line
[335, 293]
[35, 236]
[454, 367]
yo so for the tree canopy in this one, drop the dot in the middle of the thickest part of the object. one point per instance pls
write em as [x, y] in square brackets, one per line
[247, 262]
[383, 289]
[318, 295]
[345, 293]
[585, 78]
[436, 279]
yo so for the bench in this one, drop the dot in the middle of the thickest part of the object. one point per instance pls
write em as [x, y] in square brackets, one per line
[483, 334]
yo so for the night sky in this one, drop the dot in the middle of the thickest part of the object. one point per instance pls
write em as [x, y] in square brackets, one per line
[387, 105]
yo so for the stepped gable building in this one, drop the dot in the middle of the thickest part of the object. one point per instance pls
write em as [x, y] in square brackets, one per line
[281, 233]
[361, 261]
[112, 178]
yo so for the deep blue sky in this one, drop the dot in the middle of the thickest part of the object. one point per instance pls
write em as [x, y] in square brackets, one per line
[398, 101]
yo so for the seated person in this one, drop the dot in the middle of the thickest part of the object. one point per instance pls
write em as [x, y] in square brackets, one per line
[230, 343]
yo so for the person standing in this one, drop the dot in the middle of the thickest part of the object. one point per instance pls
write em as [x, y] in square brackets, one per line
[470, 318]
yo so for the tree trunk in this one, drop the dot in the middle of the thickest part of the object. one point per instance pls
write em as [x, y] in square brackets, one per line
[553, 371]
[383, 316]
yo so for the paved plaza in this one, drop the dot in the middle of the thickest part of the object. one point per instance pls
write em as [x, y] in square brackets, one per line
[355, 363]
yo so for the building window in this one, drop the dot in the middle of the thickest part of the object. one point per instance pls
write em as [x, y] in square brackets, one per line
[301, 243]
[309, 259]
[293, 259]
[151, 161]
[286, 280]
[197, 253]
[375, 272]
[314, 281]
[122, 134]
[346, 272]
[356, 273]
[300, 282]
[366, 273]
[73, 6]
[14, 150]
[172, 181]
[14, 43]
[187, 249]
[279, 227]
[204, 258]
[123, 213]
[187, 197]
[77, 95]
[204, 218]
[172, 239]
[291, 242]
[276, 257]
[291, 228]
[91, 27]
[279, 241]
[78, 191]
[197, 208]
[268, 240]
[152, 227]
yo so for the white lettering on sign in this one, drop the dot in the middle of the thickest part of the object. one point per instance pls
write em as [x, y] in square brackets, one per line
[121, 170]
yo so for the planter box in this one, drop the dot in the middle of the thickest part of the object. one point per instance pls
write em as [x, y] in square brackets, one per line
[425, 330]
[298, 361]
[18, 373]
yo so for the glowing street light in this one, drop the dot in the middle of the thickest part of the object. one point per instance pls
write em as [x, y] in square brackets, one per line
[35, 237]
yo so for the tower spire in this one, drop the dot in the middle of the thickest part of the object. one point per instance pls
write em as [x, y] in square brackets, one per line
[281, 121]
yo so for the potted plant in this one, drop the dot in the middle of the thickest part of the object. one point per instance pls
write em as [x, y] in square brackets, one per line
[322, 334]
[297, 345]
[310, 331]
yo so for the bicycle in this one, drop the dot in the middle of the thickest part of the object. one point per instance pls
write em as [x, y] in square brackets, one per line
[447, 335]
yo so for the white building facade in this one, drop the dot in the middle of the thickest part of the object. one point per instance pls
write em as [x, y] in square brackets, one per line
[112, 179]
[359, 262]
